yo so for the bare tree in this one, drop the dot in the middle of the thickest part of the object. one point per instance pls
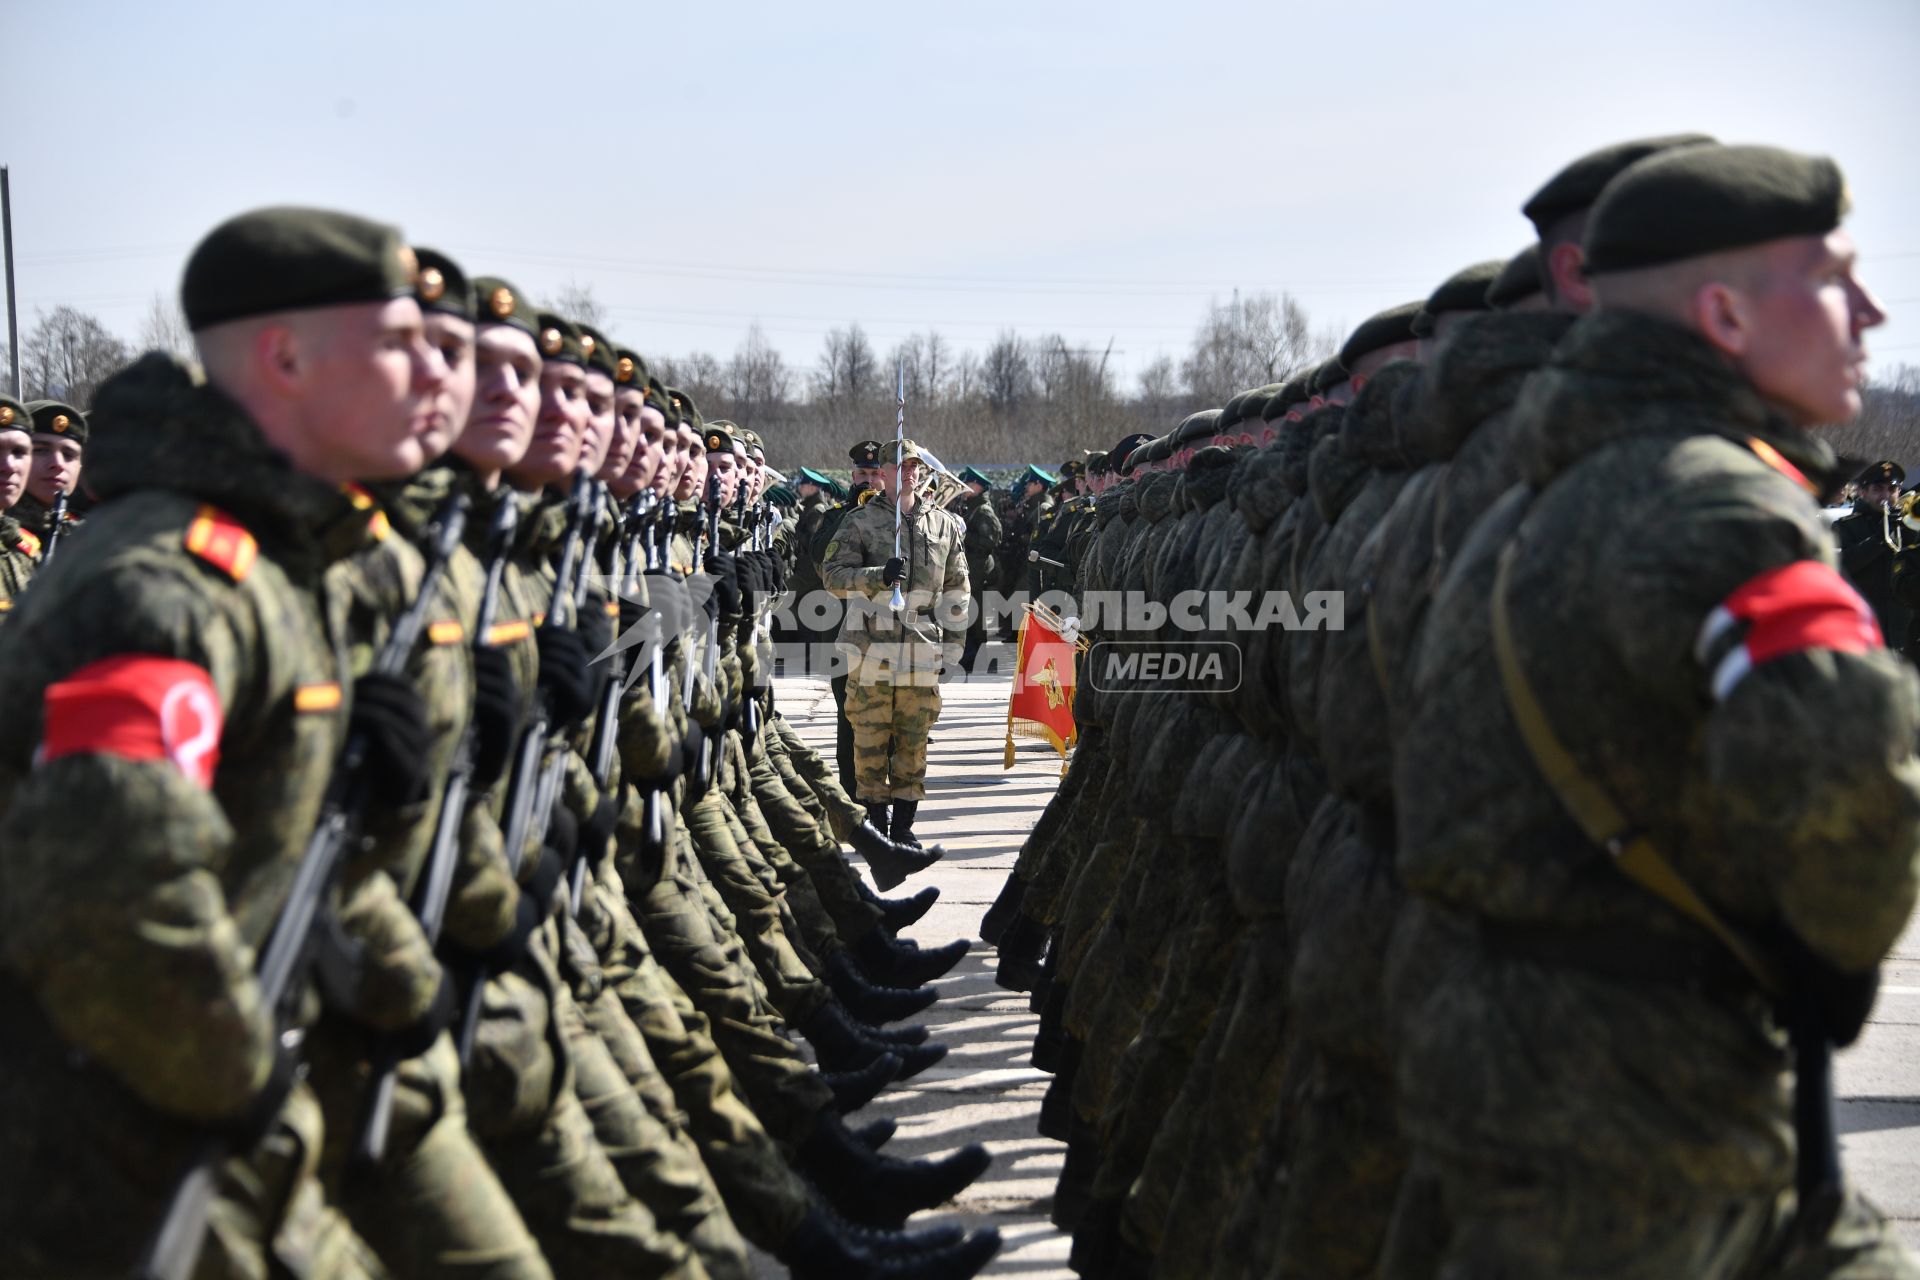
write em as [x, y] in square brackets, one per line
[1889, 421]
[576, 302]
[1250, 342]
[847, 373]
[1159, 391]
[68, 355]
[1006, 374]
[757, 381]
[165, 329]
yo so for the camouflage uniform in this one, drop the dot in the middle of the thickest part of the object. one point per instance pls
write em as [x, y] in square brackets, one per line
[982, 544]
[893, 693]
[144, 868]
[1550, 1009]
[19, 555]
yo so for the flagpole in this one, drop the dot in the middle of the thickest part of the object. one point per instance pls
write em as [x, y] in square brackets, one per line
[899, 469]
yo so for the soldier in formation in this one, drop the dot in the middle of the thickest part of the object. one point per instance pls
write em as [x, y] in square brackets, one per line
[407, 869]
[1486, 920]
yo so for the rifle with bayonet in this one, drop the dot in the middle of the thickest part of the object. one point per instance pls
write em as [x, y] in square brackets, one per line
[436, 880]
[56, 528]
[606, 722]
[291, 949]
[537, 767]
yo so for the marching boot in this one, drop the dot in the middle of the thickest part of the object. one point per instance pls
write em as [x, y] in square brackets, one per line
[823, 1247]
[1050, 1042]
[1097, 1239]
[878, 1190]
[1056, 1108]
[1129, 1262]
[901, 832]
[1020, 948]
[1074, 1192]
[904, 964]
[877, 815]
[870, 1003]
[843, 1044]
[1003, 911]
[1044, 984]
[853, 1090]
[878, 1134]
[890, 861]
[898, 913]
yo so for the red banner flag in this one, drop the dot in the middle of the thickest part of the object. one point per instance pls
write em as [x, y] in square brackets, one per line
[1041, 705]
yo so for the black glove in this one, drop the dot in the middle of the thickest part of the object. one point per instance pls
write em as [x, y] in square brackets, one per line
[894, 572]
[597, 834]
[563, 832]
[496, 715]
[725, 571]
[1837, 1002]
[536, 899]
[711, 606]
[691, 748]
[596, 634]
[391, 718]
[564, 680]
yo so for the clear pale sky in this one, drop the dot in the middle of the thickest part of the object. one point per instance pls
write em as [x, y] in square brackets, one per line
[1102, 170]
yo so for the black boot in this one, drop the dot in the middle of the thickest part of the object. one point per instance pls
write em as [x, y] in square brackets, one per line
[1044, 984]
[903, 964]
[877, 815]
[879, 1190]
[1050, 1041]
[853, 1090]
[901, 832]
[1020, 949]
[870, 1003]
[1097, 1239]
[878, 1134]
[1074, 1193]
[823, 1248]
[890, 861]
[882, 1242]
[898, 913]
[1003, 911]
[1056, 1108]
[844, 1044]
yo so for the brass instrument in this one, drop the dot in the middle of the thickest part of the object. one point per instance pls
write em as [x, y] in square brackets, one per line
[1890, 532]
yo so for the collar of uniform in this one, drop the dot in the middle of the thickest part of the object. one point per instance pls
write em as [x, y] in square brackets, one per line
[154, 428]
[411, 503]
[1478, 372]
[543, 524]
[31, 513]
[9, 532]
[1618, 375]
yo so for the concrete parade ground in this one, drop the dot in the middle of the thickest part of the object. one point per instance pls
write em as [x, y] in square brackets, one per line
[987, 1091]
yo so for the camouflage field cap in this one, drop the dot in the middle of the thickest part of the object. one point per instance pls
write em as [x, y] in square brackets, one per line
[293, 259]
[57, 418]
[1700, 200]
[443, 286]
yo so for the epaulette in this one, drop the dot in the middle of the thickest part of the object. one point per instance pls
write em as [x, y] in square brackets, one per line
[222, 542]
[377, 524]
[30, 543]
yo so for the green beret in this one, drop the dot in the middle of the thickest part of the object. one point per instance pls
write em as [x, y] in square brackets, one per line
[657, 396]
[497, 302]
[1234, 409]
[1120, 456]
[1579, 185]
[973, 475]
[1199, 426]
[289, 259]
[15, 416]
[443, 286]
[718, 436]
[1464, 290]
[1518, 280]
[683, 405]
[1159, 449]
[1378, 332]
[865, 454]
[560, 340]
[1294, 391]
[1257, 400]
[1327, 375]
[629, 371]
[1690, 203]
[599, 350]
[56, 418]
[753, 442]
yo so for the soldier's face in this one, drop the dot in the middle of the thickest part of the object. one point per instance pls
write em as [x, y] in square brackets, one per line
[1875, 494]
[896, 479]
[627, 408]
[16, 459]
[724, 465]
[865, 478]
[560, 430]
[1804, 329]
[452, 336]
[693, 476]
[506, 399]
[367, 382]
[649, 464]
[56, 466]
[600, 422]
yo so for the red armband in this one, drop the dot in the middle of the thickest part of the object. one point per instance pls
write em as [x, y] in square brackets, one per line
[1801, 606]
[137, 707]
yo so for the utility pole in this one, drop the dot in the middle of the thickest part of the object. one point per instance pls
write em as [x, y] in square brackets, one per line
[13, 315]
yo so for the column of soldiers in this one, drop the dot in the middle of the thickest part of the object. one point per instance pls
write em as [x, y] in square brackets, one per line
[406, 869]
[1505, 927]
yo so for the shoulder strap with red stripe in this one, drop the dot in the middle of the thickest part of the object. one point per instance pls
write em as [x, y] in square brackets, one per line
[222, 542]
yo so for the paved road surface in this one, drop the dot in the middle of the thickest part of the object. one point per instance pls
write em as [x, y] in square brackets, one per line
[986, 1091]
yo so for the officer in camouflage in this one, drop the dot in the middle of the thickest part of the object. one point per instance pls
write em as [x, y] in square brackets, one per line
[897, 658]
